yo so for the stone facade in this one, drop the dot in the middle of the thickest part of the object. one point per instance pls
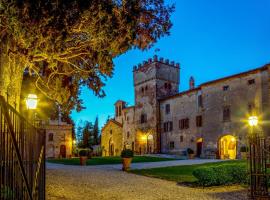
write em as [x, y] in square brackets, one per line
[58, 139]
[112, 138]
[209, 118]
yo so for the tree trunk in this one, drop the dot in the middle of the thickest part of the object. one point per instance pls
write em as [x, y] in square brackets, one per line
[11, 75]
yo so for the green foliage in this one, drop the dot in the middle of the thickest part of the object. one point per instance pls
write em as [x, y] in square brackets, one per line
[107, 160]
[127, 153]
[183, 173]
[83, 152]
[69, 44]
[221, 175]
[190, 151]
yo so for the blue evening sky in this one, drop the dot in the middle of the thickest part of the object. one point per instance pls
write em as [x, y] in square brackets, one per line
[209, 38]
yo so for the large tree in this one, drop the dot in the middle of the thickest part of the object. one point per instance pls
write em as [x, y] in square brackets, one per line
[65, 44]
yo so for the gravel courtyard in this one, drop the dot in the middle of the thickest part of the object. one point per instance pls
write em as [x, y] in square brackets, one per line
[108, 183]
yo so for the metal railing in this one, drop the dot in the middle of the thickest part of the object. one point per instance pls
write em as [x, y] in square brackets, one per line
[259, 163]
[22, 157]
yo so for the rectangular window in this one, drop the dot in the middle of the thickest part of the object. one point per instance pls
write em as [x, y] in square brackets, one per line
[200, 101]
[184, 123]
[199, 121]
[171, 145]
[168, 126]
[181, 138]
[167, 108]
[171, 126]
[143, 118]
[225, 87]
[226, 113]
[165, 127]
[251, 81]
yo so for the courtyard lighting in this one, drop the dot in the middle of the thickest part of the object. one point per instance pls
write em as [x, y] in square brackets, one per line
[31, 101]
[253, 121]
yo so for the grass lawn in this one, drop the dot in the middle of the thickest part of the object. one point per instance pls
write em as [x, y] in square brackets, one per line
[179, 174]
[107, 160]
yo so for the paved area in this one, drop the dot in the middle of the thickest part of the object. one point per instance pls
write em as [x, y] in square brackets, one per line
[109, 183]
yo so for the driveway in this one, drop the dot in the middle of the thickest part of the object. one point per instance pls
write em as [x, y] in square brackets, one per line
[108, 182]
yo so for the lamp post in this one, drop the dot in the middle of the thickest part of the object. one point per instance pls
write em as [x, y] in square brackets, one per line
[257, 161]
[31, 104]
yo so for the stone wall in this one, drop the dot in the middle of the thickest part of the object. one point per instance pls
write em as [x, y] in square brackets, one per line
[58, 140]
[112, 139]
[236, 92]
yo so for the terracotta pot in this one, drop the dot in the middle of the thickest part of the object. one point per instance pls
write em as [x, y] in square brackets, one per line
[83, 160]
[191, 156]
[126, 163]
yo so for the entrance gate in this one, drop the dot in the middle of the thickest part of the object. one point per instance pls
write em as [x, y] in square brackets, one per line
[22, 157]
[259, 164]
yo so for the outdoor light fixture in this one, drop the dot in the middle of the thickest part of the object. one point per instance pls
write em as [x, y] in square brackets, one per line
[253, 120]
[31, 101]
[74, 142]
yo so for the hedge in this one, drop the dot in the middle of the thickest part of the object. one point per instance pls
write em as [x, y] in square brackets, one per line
[221, 175]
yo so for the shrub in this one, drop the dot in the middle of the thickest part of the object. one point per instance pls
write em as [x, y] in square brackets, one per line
[221, 175]
[190, 151]
[127, 153]
[244, 149]
[83, 152]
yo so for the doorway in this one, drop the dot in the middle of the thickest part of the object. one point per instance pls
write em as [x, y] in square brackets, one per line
[199, 147]
[63, 151]
[227, 147]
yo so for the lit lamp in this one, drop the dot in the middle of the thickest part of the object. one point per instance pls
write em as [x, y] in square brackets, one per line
[31, 101]
[253, 121]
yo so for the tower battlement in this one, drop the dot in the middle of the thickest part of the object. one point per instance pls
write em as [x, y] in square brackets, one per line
[155, 59]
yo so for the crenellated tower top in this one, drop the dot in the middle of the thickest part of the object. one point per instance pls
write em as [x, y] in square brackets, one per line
[155, 59]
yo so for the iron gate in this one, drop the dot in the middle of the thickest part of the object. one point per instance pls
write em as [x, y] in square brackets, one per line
[22, 157]
[259, 164]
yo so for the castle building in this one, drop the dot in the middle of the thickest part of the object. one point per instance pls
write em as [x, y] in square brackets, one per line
[58, 139]
[211, 118]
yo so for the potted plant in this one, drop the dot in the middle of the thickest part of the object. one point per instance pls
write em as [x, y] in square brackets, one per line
[244, 152]
[127, 156]
[190, 153]
[83, 157]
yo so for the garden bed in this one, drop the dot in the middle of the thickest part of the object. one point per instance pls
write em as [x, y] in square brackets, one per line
[107, 160]
[184, 175]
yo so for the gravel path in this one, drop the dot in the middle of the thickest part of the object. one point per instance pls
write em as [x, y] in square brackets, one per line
[106, 183]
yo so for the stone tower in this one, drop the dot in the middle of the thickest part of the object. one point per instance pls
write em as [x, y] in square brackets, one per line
[153, 80]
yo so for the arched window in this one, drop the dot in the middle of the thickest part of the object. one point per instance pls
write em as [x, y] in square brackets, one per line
[146, 88]
[128, 134]
[50, 137]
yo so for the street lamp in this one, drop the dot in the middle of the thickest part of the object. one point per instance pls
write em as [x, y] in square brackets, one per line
[253, 121]
[31, 101]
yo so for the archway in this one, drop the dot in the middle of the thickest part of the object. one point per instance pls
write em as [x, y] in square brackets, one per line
[227, 147]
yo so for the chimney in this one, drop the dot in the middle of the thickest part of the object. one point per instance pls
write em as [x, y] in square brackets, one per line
[191, 83]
